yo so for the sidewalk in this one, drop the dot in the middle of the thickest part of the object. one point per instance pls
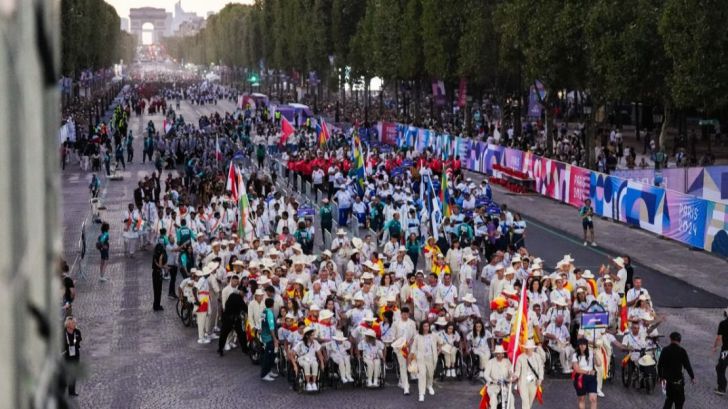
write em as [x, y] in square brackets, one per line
[673, 259]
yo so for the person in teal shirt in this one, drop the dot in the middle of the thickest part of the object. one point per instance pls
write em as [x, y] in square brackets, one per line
[394, 226]
[413, 248]
[327, 218]
[269, 339]
[185, 234]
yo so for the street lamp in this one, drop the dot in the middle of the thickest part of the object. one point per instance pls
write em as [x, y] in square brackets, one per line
[587, 109]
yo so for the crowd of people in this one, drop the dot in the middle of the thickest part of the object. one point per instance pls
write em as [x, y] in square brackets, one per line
[436, 289]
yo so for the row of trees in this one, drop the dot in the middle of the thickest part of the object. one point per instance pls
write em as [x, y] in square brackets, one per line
[92, 37]
[669, 53]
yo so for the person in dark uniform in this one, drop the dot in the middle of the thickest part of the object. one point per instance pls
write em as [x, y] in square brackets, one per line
[159, 263]
[71, 353]
[231, 315]
[722, 340]
[673, 360]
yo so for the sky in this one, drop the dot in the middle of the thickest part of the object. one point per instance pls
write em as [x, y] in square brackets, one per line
[201, 7]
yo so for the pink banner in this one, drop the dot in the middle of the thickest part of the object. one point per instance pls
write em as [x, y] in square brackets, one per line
[389, 133]
[579, 185]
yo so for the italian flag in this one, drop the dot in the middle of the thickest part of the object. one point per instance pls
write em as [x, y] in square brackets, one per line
[245, 229]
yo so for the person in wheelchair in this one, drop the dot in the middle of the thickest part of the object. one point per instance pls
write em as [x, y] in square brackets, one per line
[338, 351]
[558, 335]
[498, 373]
[478, 346]
[309, 357]
[451, 338]
[371, 352]
[634, 341]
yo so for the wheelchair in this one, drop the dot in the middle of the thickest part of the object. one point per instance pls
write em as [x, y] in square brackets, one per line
[471, 363]
[390, 362]
[255, 349]
[281, 361]
[552, 366]
[360, 373]
[331, 374]
[459, 367]
[184, 311]
[300, 382]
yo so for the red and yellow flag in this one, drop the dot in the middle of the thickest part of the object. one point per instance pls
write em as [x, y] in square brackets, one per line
[519, 331]
[593, 286]
[623, 314]
[539, 394]
[484, 398]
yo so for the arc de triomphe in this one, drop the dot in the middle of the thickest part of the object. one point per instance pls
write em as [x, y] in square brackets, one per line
[140, 16]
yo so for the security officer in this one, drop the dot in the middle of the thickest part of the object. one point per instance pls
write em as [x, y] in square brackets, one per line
[670, 370]
[159, 263]
[232, 315]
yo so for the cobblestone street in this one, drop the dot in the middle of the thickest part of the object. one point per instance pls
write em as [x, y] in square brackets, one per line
[137, 358]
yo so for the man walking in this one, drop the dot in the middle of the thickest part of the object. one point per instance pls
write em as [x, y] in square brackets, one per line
[670, 371]
[270, 341]
[159, 262]
[722, 340]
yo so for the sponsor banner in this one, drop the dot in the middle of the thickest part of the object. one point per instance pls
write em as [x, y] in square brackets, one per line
[388, 132]
[685, 218]
[579, 185]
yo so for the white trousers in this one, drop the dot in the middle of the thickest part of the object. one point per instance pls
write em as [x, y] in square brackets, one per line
[201, 323]
[309, 366]
[425, 375]
[374, 369]
[527, 390]
[344, 364]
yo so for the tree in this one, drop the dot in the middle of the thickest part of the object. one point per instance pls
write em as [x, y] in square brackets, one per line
[696, 43]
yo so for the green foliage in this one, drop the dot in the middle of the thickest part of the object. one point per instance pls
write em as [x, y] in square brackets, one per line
[92, 37]
[696, 42]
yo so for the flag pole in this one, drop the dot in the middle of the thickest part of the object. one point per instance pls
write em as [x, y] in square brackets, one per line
[517, 340]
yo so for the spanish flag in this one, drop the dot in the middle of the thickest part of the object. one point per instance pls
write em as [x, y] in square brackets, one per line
[484, 398]
[625, 361]
[249, 333]
[623, 314]
[405, 351]
[519, 333]
[539, 394]
[593, 286]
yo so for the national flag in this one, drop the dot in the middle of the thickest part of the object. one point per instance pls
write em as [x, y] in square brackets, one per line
[605, 366]
[232, 182]
[245, 229]
[286, 130]
[539, 394]
[593, 286]
[218, 152]
[445, 194]
[435, 212]
[519, 332]
[358, 164]
[623, 314]
[498, 302]
[323, 132]
[249, 331]
[484, 398]
[405, 351]
[625, 361]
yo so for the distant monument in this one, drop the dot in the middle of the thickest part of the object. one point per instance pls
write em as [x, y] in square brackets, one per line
[143, 15]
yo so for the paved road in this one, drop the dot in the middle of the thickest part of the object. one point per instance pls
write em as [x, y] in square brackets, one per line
[139, 359]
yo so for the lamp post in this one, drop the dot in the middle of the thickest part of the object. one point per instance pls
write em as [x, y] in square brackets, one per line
[587, 129]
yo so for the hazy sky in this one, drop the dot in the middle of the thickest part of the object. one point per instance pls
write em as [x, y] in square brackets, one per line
[201, 7]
